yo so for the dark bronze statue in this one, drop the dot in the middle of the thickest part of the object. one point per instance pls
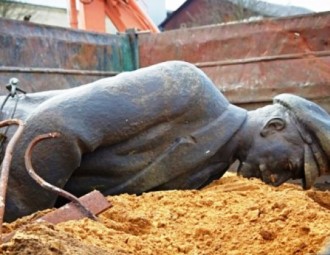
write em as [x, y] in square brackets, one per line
[162, 127]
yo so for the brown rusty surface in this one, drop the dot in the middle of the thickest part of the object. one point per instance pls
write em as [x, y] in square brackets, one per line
[253, 83]
[45, 57]
[94, 201]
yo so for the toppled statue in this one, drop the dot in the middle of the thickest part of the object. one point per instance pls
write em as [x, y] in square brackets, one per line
[162, 127]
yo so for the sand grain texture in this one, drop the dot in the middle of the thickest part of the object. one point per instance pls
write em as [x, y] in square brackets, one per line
[232, 216]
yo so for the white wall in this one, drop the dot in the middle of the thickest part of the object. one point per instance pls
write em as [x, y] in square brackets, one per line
[51, 16]
[40, 14]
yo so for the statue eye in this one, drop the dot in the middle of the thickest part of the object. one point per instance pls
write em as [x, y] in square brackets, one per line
[273, 125]
[277, 124]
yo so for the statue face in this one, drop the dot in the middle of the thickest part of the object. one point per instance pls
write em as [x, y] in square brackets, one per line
[276, 151]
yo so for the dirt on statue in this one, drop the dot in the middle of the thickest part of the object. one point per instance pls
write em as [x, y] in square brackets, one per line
[231, 216]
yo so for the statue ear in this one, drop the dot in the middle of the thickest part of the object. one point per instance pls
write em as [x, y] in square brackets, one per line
[272, 125]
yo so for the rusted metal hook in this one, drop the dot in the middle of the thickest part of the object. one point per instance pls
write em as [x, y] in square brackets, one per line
[48, 186]
[6, 164]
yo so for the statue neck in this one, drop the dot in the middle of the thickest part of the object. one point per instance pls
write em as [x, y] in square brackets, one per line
[244, 137]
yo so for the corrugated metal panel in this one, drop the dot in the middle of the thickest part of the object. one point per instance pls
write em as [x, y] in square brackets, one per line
[253, 61]
[45, 57]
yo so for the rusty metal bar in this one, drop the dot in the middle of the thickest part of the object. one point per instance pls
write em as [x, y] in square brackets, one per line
[46, 185]
[263, 59]
[94, 201]
[55, 71]
[6, 164]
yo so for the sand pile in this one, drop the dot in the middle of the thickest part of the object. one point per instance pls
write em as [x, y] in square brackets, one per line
[231, 216]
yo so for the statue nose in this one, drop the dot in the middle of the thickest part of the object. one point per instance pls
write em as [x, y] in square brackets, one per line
[267, 176]
[273, 178]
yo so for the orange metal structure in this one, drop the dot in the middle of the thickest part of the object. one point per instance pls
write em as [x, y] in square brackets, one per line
[124, 14]
[73, 14]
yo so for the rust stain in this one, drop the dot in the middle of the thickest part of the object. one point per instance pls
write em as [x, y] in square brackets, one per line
[230, 47]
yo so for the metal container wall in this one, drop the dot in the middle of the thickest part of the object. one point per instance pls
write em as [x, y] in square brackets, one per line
[46, 57]
[250, 62]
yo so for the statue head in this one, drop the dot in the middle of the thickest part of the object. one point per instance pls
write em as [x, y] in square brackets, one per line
[283, 142]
